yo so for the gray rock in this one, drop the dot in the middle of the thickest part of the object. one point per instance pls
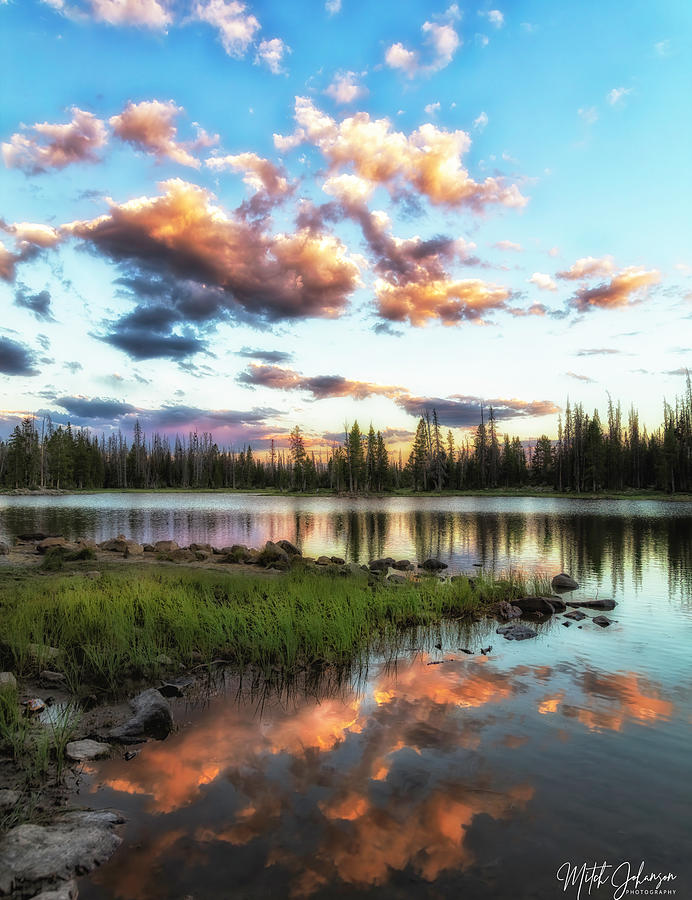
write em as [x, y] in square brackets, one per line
[352, 568]
[52, 679]
[202, 548]
[432, 565]
[606, 603]
[4, 548]
[603, 621]
[507, 610]
[564, 582]
[272, 554]
[397, 579]
[152, 718]
[7, 681]
[381, 565]
[9, 799]
[403, 565]
[338, 560]
[289, 548]
[40, 854]
[78, 751]
[66, 890]
[121, 544]
[516, 632]
[575, 615]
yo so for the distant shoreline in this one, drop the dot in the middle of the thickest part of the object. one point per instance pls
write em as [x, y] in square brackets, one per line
[527, 493]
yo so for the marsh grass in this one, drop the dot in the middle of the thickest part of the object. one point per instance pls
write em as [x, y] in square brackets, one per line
[115, 627]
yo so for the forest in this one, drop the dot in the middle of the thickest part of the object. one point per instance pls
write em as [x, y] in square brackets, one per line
[590, 454]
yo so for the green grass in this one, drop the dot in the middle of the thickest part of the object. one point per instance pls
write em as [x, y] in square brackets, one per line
[114, 627]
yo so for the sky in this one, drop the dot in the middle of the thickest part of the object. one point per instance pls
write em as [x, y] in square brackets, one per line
[238, 217]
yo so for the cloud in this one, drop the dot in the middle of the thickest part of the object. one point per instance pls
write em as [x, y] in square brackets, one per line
[623, 289]
[432, 108]
[480, 121]
[73, 367]
[495, 17]
[94, 407]
[148, 13]
[508, 245]
[598, 351]
[543, 281]
[441, 41]
[30, 240]
[345, 88]
[320, 386]
[588, 267]
[427, 161]
[583, 378]
[461, 411]
[267, 356]
[449, 300]
[45, 145]
[617, 94]
[682, 370]
[589, 114]
[333, 7]
[16, 359]
[150, 126]
[38, 304]
[190, 262]
[662, 48]
[237, 27]
[258, 173]
[271, 54]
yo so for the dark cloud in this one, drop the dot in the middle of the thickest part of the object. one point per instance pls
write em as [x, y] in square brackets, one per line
[38, 304]
[266, 356]
[95, 407]
[320, 386]
[387, 328]
[16, 359]
[73, 367]
[459, 411]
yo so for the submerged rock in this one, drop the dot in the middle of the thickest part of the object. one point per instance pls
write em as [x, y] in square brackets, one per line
[575, 615]
[516, 632]
[432, 565]
[78, 751]
[564, 582]
[152, 718]
[603, 621]
[606, 603]
[32, 856]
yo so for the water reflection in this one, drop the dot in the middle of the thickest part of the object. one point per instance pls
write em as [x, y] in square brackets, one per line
[340, 791]
[610, 542]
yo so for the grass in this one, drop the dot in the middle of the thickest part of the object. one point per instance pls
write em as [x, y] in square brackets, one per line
[116, 626]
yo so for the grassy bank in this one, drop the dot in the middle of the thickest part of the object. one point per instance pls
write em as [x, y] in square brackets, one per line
[121, 625]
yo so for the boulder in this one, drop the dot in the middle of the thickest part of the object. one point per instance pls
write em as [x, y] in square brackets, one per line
[9, 799]
[52, 679]
[202, 548]
[289, 548]
[37, 855]
[506, 610]
[32, 536]
[352, 568]
[564, 582]
[181, 555]
[338, 560]
[323, 561]
[397, 579]
[606, 603]
[66, 890]
[4, 548]
[50, 542]
[148, 548]
[432, 565]
[272, 554]
[557, 603]
[152, 718]
[166, 546]
[516, 632]
[403, 565]
[79, 751]
[7, 681]
[603, 621]
[121, 544]
[534, 605]
[87, 544]
[575, 615]
[381, 565]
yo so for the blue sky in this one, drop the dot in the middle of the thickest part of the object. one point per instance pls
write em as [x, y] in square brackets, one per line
[238, 217]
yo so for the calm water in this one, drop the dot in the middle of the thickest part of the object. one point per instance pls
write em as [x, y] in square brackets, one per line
[474, 778]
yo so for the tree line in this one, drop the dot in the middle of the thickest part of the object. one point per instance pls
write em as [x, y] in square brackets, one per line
[589, 455]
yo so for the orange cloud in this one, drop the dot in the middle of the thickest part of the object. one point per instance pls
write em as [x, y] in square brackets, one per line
[622, 290]
[427, 161]
[258, 173]
[150, 126]
[237, 27]
[46, 145]
[450, 301]
[587, 267]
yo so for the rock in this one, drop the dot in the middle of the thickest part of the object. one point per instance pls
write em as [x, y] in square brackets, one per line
[86, 749]
[66, 890]
[272, 554]
[432, 565]
[397, 579]
[381, 565]
[166, 546]
[352, 568]
[575, 615]
[323, 561]
[338, 560]
[534, 605]
[566, 624]
[289, 548]
[42, 653]
[9, 799]
[564, 582]
[603, 621]
[152, 718]
[45, 853]
[181, 555]
[7, 681]
[593, 604]
[51, 542]
[32, 536]
[164, 660]
[202, 548]
[121, 544]
[52, 679]
[506, 610]
[87, 544]
[403, 565]
[516, 632]
[148, 548]
[4, 548]
[175, 688]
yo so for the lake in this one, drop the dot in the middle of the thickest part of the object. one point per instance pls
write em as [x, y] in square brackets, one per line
[427, 773]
